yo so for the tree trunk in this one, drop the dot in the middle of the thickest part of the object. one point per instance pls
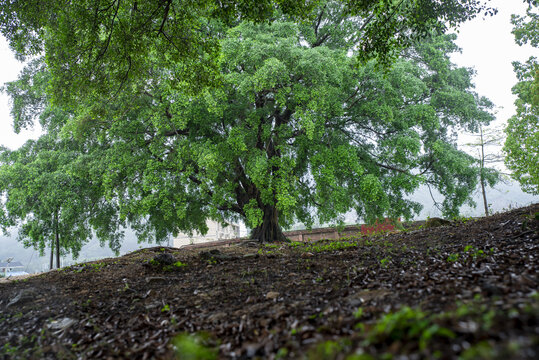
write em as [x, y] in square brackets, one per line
[57, 243]
[57, 250]
[269, 230]
[482, 170]
[52, 254]
[484, 196]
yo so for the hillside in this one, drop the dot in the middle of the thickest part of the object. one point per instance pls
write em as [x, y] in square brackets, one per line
[465, 290]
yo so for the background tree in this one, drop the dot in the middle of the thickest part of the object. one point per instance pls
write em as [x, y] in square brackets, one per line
[522, 144]
[46, 186]
[488, 175]
[46, 194]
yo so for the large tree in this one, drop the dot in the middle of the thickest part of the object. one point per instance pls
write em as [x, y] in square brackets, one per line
[295, 132]
[522, 144]
[295, 128]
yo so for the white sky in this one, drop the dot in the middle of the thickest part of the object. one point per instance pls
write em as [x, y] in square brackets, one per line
[9, 69]
[487, 45]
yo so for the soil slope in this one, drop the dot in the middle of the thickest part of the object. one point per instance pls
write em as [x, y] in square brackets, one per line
[465, 290]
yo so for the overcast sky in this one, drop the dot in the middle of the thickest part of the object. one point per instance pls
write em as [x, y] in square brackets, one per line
[487, 45]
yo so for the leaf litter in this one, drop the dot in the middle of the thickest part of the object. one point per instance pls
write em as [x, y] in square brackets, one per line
[467, 290]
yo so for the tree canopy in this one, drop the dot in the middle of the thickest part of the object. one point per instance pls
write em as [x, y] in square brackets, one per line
[93, 47]
[294, 128]
[47, 194]
[522, 144]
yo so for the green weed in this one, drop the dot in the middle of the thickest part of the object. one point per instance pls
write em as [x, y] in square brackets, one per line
[330, 246]
[9, 349]
[407, 324]
[453, 257]
[177, 265]
[296, 244]
[282, 353]
[195, 347]
[328, 349]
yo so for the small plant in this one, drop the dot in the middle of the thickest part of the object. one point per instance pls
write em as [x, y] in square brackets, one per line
[453, 257]
[407, 324]
[97, 266]
[296, 244]
[195, 347]
[384, 262]
[327, 349]
[165, 308]
[463, 219]
[281, 353]
[8, 349]
[177, 265]
[476, 253]
[481, 350]
[330, 246]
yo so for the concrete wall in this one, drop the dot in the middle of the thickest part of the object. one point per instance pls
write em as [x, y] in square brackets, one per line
[333, 233]
[321, 234]
[218, 235]
[215, 232]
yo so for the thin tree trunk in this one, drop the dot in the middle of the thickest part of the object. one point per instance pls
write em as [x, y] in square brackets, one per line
[485, 204]
[484, 196]
[269, 230]
[52, 255]
[57, 242]
[57, 251]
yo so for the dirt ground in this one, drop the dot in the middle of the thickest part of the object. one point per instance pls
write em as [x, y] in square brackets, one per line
[466, 290]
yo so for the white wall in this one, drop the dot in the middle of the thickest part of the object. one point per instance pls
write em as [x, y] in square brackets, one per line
[215, 232]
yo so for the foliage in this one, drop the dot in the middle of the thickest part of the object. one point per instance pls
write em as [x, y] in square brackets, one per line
[96, 47]
[46, 191]
[45, 184]
[522, 144]
[295, 131]
[48, 185]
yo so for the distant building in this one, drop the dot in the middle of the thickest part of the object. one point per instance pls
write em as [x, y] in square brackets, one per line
[11, 268]
[215, 232]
